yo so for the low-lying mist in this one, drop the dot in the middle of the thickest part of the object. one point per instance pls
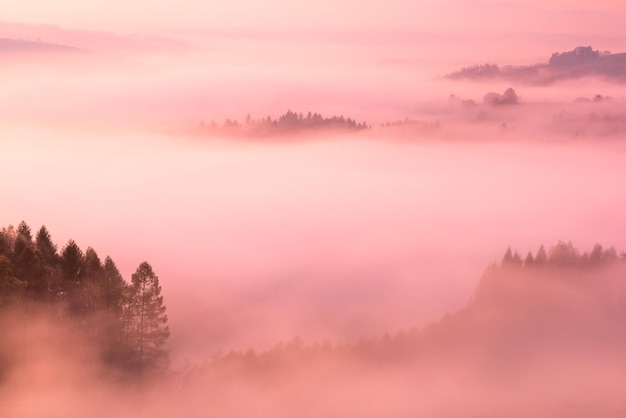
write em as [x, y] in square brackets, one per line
[541, 336]
[333, 238]
[308, 268]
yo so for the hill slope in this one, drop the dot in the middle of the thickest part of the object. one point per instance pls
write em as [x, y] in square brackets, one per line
[578, 63]
[8, 46]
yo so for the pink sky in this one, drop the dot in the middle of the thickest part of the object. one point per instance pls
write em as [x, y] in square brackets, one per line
[449, 15]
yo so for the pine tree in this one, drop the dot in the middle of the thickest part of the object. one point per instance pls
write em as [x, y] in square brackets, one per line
[31, 268]
[23, 239]
[71, 264]
[93, 281]
[46, 247]
[508, 257]
[6, 241]
[11, 288]
[28, 264]
[542, 257]
[24, 230]
[146, 327]
[113, 286]
[69, 281]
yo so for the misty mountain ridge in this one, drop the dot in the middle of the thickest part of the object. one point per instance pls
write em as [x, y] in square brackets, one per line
[532, 321]
[582, 61]
[540, 330]
[522, 307]
[88, 40]
[9, 46]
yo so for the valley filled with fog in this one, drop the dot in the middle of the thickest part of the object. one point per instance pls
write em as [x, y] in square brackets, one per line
[313, 241]
[329, 238]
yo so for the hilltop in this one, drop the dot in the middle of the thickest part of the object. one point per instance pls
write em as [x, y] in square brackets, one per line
[543, 335]
[8, 45]
[582, 61]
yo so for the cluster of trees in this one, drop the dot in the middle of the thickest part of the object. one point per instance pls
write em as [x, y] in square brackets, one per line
[509, 97]
[563, 262]
[290, 122]
[480, 71]
[578, 55]
[127, 321]
[563, 254]
[598, 98]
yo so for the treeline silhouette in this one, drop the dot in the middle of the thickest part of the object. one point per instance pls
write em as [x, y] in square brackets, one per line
[288, 123]
[414, 124]
[89, 308]
[523, 307]
[582, 61]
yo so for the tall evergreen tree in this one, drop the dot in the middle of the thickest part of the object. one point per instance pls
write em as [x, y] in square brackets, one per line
[23, 239]
[542, 257]
[564, 254]
[49, 254]
[71, 264]
[113, 286]
[46, 247]
[69, 280]
[146, 327]
[93, 278]
[30, 267]
[24, 230]
[11, 288]
[7, 238]
[508, 257]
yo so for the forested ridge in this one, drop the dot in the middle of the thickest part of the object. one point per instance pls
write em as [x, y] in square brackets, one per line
[91, 310]
[582, 61]
[550, 310]
[543, 304]
[288, 123]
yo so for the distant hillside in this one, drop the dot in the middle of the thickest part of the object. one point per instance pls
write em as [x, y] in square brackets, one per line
[543, 302]
[20, 46]
[582, 61]
[288, 123]
[89, 40]
[543, 336]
